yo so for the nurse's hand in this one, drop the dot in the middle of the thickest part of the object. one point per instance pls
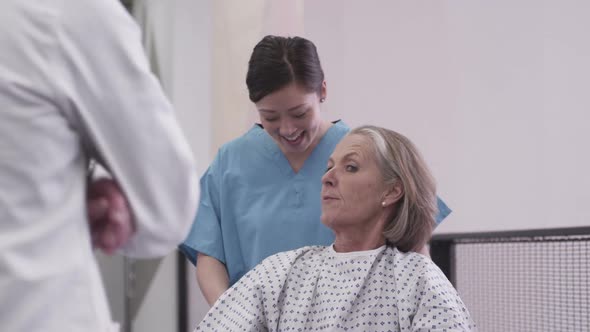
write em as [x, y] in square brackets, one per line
[111, 223]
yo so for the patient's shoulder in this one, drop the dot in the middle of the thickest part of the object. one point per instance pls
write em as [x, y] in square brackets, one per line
[272, 273]
[414, 265]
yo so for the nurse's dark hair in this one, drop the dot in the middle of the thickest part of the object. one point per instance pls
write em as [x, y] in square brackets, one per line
[278, 61]
[410, 225]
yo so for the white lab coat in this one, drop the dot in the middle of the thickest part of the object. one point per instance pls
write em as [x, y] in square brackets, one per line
[74, 84]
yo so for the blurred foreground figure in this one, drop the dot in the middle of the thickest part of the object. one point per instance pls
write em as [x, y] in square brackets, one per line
[75, 85]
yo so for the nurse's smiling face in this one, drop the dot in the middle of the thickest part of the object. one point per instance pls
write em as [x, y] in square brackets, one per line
[291, 116]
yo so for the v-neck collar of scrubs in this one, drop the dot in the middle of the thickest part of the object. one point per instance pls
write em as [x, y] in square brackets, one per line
[281, 160]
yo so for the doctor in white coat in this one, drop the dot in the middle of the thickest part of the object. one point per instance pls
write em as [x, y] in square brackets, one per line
[74, 85]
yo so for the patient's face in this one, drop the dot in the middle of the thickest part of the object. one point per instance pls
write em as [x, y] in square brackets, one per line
[352, 188]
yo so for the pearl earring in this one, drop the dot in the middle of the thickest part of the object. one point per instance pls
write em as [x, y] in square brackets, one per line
[383, 203]
[322, 100]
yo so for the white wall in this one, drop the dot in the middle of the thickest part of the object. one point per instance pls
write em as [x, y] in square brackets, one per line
[494, 93]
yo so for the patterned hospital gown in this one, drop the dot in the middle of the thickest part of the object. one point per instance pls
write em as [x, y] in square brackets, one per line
[318, 289]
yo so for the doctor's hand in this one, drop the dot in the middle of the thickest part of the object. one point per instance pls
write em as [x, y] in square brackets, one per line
[111, 223]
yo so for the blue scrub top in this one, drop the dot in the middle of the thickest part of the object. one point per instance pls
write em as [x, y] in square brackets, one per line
[254, 205]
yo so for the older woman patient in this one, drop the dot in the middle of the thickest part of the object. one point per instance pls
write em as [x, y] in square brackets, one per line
[379, 198]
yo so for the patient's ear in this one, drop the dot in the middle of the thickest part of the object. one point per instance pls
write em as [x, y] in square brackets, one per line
[394, 193]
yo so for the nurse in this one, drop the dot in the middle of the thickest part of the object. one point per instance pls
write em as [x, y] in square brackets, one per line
[261, 194]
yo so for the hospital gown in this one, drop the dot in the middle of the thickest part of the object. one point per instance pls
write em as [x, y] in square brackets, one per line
[318, 289]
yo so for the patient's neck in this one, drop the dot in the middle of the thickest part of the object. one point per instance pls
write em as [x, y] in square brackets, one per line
[352, 242]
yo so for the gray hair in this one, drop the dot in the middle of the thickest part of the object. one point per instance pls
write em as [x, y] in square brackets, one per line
[410, 225]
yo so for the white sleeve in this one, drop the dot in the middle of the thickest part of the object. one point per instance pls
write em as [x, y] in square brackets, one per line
[254, 302]
[439, 306]
[243, 306]
[125, 120]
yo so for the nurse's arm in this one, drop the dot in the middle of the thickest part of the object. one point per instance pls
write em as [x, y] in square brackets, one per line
[212, 277]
